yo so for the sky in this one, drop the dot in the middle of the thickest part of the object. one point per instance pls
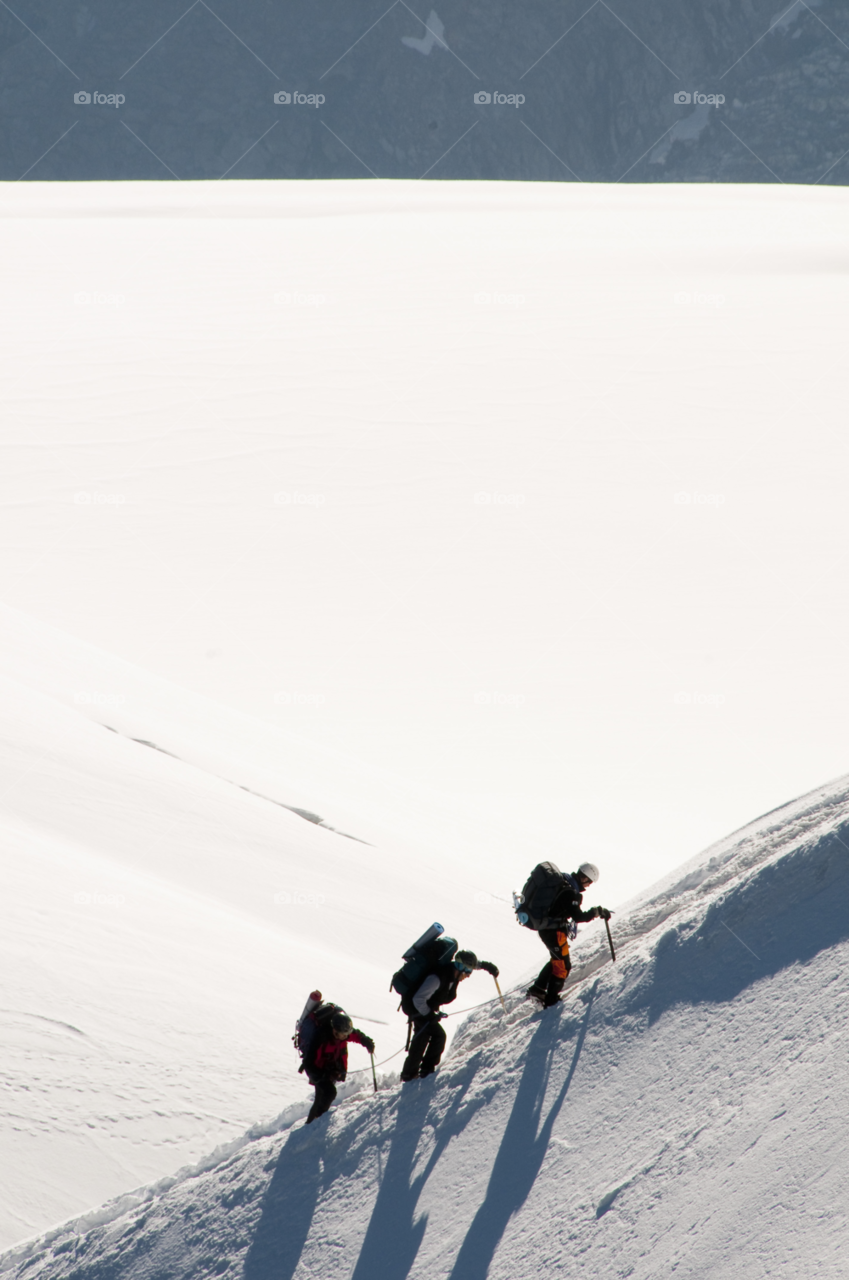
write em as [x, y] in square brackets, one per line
[527, 498]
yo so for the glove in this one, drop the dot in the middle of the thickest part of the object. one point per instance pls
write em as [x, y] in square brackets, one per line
[489, 967]
[437, 1017]
[367, 1043]
[602, 913]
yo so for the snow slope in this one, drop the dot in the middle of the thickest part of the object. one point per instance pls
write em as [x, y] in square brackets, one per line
[162, 924]
[190, 366]
[685, 1111]
[483, 485]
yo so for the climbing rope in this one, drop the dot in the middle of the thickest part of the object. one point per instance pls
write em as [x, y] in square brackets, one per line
[455, 1013]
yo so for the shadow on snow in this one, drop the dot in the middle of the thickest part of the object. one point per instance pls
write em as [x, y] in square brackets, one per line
[288, 1207]
[394, 1235]
[522, 1148]
[786, 914]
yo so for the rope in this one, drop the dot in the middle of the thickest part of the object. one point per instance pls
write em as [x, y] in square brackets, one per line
[359, 1071]
[455, 1013]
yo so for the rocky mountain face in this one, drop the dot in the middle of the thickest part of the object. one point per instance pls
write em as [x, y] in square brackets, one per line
[565, 91]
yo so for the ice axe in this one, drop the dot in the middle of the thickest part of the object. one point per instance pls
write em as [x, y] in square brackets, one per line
[609, 939]
[373, 1072]
[500, 996]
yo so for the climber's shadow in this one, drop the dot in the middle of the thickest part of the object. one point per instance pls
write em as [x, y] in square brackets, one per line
[522, 1149]
[394, 1234]
[288, 1208]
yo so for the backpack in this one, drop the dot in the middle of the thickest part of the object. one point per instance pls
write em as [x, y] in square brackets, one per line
[311, 1022]
[421, 960]
[543, 886]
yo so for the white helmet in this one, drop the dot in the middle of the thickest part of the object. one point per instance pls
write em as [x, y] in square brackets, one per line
[590, 870]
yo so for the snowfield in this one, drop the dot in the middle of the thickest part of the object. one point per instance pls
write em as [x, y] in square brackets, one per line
[361, 545]
[455, 484]
[164, 919]
[684, 1111]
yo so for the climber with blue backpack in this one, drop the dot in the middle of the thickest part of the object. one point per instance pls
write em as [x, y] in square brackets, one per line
[550, 904]
[322, 1035]
[432, 972]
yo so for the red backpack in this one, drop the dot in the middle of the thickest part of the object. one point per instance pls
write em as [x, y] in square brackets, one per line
[316, 1015]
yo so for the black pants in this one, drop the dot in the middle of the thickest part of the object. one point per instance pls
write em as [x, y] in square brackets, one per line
[426, 1048]
[325, 1092]
[552, 976]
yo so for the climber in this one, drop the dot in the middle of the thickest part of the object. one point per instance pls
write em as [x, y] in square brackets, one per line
[422, 1004]
[550, 904]
[322, 1036]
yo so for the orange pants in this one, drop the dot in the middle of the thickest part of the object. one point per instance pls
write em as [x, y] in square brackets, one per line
[558, 946]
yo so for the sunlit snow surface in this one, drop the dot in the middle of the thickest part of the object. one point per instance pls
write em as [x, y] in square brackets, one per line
[164, 919]
[512, 494]
[685, 1111]
[461, 686]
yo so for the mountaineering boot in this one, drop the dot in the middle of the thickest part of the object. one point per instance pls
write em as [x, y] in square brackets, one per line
[550, 1000]
[536, 993]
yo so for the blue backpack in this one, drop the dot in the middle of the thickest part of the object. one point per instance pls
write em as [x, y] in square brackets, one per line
[422, 961]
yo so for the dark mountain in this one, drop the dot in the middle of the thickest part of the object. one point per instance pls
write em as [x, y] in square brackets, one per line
[399, 82]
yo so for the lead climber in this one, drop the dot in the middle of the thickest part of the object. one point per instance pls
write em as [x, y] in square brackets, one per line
[550, 903]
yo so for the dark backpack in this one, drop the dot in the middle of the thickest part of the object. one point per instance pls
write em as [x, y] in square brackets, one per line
[543, 886]
[309, 1027]
[423, 961]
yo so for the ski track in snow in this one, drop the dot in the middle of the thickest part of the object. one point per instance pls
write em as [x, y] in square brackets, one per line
[684, 1110]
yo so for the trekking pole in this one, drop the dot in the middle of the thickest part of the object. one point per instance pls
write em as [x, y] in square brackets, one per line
[610, 940]
[500, 996]
[373, 1072]
[409, 1034]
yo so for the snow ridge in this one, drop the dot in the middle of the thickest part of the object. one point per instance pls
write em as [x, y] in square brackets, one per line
[685, 1109]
